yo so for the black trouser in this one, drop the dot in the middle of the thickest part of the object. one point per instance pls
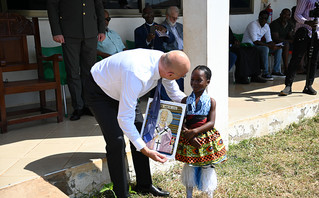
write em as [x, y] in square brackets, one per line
[105, 110]
[301, 45]
[79, 56]
[247, 62]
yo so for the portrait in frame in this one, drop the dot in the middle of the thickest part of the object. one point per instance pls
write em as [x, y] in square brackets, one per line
[168, 127]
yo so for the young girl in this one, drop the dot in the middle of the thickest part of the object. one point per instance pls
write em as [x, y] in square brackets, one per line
[200, 145]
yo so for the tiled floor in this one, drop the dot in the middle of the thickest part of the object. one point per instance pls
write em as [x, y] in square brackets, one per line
[41, 147]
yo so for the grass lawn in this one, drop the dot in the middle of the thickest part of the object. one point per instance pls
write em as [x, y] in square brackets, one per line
[285, 164]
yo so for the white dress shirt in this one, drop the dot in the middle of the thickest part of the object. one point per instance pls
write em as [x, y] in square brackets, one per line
[125, 77]
[254, 32]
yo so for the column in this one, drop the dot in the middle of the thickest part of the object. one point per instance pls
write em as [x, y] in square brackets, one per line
[206, 24]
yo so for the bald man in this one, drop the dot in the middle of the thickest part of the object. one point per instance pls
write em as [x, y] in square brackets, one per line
[112, 93]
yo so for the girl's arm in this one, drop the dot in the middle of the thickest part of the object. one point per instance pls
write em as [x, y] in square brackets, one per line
[190, 133]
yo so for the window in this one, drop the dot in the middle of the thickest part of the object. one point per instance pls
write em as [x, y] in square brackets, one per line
[241, 6]
[117, 8]
[163, 4]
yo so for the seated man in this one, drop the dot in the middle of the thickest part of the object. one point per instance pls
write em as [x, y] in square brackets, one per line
[247, 61]
[112, 43]
[253, 35]
[282, 32]
[175, 28]
[151, 35]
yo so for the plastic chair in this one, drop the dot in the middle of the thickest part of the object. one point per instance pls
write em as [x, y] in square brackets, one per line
[49, 74]
[239, 37]
[130, 44]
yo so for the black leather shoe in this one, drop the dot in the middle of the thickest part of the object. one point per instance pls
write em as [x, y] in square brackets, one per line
[76, 115]
[243, 80]
[309, 90]
[257, 79]
[156, 191]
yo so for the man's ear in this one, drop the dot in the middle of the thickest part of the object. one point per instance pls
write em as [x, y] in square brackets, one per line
[208, 81]
[170, 74]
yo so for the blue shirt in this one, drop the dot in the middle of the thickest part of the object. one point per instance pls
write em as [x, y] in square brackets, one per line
[112, 43]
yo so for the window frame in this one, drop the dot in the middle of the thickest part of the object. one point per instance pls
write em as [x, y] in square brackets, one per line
[117, 13]
[245, 10]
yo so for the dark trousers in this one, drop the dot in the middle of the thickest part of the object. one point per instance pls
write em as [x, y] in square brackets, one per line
[301, 45]
[105, 110]
[247, 62]
[79, 56]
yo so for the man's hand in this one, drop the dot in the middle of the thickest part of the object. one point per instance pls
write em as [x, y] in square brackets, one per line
[313, 24]
[154, 155]
[58, 38]
[150, 37]
[236, 43]
[273, 46]
[160, 28]
[101, 37]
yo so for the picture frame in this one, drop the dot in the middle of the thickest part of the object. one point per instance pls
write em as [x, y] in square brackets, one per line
[168, 127]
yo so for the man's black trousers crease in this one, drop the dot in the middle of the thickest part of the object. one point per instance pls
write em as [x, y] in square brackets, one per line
[248, 62]
[301, 45]
[105, 110]
[79, 56]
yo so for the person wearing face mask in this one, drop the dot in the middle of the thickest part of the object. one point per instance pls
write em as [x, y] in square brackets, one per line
[175, 28]
[112, 43]
[151, 35]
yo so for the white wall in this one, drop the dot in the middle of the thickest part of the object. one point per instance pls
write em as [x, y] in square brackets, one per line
[238, 23]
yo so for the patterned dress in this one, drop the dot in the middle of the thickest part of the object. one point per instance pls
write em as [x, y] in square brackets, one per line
[213, 150]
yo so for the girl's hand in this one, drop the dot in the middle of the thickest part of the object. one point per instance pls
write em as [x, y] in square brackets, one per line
[195, 142]
[189, 134]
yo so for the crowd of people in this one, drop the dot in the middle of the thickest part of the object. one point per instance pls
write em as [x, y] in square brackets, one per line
[259, 41]
[110, 89]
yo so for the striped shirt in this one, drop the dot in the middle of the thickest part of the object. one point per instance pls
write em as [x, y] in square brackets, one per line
[302, 14]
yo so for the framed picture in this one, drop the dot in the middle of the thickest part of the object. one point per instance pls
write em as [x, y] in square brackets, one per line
[168, 127]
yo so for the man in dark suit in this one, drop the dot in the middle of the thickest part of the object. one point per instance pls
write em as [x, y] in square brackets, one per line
[146, 37]
[77, 25]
